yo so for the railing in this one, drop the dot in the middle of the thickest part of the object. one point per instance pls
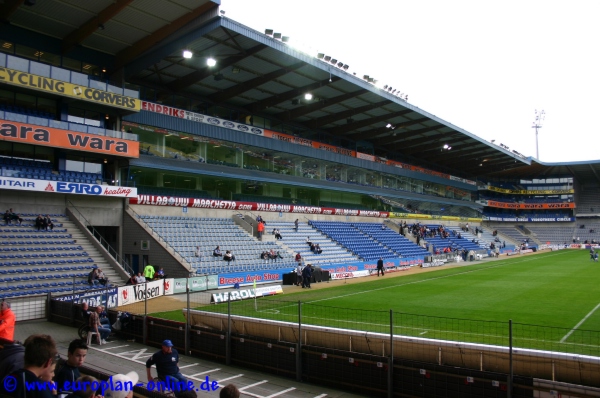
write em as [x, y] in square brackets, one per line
[157, 235]
[110, 250]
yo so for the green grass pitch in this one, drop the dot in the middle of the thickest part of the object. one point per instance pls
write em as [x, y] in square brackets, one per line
[553, 300]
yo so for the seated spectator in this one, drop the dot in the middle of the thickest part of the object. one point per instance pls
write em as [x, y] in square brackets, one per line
[318, 249]
[131, 280]
[103, 279]
[217, 252]
[140, 278]
[160, 274]
[93, 277]
[15, 216]
[6, 217]
[272, 254]
[49, 223]
[308, 241]
[312, 248]
[298, 257]
[39, 222]
[277, 234]
[228, 256]
[198, 252]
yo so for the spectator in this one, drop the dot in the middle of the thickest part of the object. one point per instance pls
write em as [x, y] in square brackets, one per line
[39, 364]
[93, 277]
[69, 371]
[259, 219]
[166, 361]
[122, 385]
[12, 358]
[39, 222]
[7, 321]
[260, 228]
[228, 256]
[308, 241]
[277, 234]
[160, 274]
[140, 278]
[85, 388]
[6, 217]
[298, 257]
[298, 274]
[149, 272]
[229, 391]
[296, 225]
[103, 279]
[306, 276]
[318, 249]
[48, 222]
[217, 252]
[102, 331]
[132, 280]
[15, 216]
[198, 252]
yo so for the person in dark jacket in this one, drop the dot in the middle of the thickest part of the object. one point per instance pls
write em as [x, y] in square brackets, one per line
[380, 267]
[306, 276]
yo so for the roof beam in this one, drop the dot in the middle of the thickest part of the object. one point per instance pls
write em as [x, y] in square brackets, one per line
[8, 8]
[141, 46]
[87, 29]
[253, 83]
[203, 73]
[338, 130]
[347, 114]
[261, 105]
[286, 116]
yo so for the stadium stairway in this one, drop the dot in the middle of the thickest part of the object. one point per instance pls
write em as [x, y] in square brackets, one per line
[42, 262]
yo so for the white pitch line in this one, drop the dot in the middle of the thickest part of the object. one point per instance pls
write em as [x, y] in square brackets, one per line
[188, 366]
[422, 333]
[202, 373]
[281, 392]
[232, 377]
[321, 396]
[253, 385]
[119, 346]
[580, 323]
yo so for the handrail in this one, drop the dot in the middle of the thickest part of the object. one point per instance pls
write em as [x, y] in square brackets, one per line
[111, 251]
[156, 234]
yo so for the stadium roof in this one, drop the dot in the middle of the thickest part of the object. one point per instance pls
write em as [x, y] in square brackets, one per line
[260, 75]
[584, 172]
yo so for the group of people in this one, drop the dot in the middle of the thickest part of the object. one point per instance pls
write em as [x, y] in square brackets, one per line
[44, 223]
[303, 275]
[277, 234]
[10, 215]
[228, 256]
[150, 274]
[96, 277]
[37, 361]
[315, 248]
[270, 255]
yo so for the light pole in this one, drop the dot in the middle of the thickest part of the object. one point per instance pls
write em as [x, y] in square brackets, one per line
[537, 124]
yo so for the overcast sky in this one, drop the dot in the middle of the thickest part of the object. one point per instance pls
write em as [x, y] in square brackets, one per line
[484, 66]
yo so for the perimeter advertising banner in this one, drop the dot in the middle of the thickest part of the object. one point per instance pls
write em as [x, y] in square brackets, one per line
[107, 298]
[506, 205]
[154, 200]
[48, 136]
[430, 217]
[196, 284]
[48, 85]
[529, 192]
[24, 184]
[131, 294]
[245, 294]
[530, 219]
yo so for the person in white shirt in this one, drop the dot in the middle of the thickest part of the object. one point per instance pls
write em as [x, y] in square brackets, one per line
[140, 278]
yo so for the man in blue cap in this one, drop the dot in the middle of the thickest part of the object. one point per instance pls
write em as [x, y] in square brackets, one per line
[166, 361]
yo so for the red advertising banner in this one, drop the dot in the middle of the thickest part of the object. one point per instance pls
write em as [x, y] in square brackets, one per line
[529, 206]
[156, 200]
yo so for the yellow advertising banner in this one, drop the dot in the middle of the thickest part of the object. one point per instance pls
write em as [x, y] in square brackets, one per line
[525, 192]
[528, 206]
[430, 217]
[40, 83]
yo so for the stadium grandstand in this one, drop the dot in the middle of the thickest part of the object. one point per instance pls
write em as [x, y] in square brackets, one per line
[154, 136]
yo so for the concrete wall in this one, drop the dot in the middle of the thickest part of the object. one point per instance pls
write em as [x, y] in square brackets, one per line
[158, 255]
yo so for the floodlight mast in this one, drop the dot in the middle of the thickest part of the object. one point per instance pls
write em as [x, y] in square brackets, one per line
[537, 124]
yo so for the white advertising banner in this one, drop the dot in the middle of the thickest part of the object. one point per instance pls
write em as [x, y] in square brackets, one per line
[347, 275]
[24, 184]
[131, 294]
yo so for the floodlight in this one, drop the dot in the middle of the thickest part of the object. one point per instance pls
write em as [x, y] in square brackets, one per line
[285, 39]
[269, 32]
[320, 55]
[327, 58]
[308, 96]
[388, 125]
[187, 54]
[346, 67]
[385, 87]
[211, 62]
[277, 35]
[366, 77]
[340, 64]
[333, 61]
[445, 146]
